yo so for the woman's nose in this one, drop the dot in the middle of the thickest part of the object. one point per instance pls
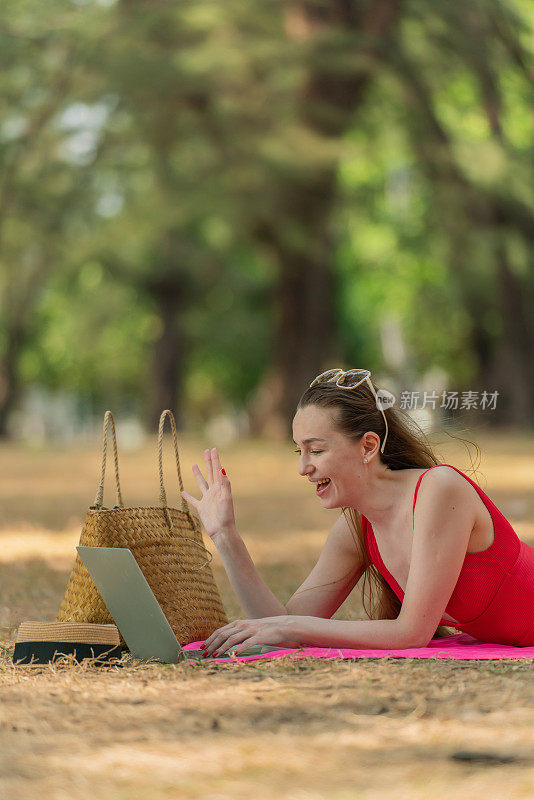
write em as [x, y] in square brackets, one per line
[304, 466]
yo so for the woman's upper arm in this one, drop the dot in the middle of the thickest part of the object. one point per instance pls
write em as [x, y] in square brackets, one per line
[443, 520]
[340, 561]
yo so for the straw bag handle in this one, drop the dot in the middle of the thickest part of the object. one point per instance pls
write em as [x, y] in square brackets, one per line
[99, 499]
[162, 495]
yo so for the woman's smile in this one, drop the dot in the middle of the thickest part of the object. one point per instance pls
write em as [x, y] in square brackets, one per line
[323, 486]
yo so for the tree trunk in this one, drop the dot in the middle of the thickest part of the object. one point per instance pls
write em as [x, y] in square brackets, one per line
[168, 355]
[305, 327]
[9, 377]
[516, 375]
[506, 368]
[299, 234]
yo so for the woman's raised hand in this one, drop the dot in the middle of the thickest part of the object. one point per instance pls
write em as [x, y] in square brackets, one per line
[216, 506]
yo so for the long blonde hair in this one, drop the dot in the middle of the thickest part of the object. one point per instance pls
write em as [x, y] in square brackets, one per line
[353, 414]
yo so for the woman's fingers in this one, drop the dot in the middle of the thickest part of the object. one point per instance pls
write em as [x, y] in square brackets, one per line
[246, 644]
[237, 649]
[217, 465]
[219, 635]
[227, 643]
[209, 465]
[227, 636]
[200, 478]
[190, 498]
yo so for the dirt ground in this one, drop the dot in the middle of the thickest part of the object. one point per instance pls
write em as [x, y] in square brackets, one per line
[302, 730]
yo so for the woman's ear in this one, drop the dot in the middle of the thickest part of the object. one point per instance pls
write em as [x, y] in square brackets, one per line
[370, 444]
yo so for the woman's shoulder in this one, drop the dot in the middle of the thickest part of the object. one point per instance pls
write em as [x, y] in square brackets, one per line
[445, 480]
[446, 474]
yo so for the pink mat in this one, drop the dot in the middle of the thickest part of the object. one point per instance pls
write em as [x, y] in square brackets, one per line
[460, 646]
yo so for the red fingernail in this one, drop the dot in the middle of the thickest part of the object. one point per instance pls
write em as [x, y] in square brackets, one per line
[223, 472]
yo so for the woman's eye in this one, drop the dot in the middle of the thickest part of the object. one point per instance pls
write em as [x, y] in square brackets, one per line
[313, 452]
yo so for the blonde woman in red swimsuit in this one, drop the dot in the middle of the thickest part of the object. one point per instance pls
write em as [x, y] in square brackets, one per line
[425, 535]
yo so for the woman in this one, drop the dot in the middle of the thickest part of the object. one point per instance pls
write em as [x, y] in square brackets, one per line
[425, 534]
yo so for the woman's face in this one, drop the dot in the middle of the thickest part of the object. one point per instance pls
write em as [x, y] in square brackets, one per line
[330, 457]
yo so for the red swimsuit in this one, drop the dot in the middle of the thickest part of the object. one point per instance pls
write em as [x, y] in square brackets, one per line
[493, 599]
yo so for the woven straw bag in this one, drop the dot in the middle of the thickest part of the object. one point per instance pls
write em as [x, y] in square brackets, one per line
[166, 544]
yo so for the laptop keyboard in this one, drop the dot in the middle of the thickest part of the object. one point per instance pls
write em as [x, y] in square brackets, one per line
[200, 654]
[253, 650]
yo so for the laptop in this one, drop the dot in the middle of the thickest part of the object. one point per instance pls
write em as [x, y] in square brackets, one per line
[135, 610]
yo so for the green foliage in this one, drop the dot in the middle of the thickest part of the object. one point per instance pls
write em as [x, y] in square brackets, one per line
[92, 336]
[406, 244]
[145, 147]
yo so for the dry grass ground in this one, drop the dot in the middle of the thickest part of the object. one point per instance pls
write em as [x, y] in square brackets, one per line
[301, 730]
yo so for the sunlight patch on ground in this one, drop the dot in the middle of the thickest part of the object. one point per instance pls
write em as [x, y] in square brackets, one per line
[57, 549]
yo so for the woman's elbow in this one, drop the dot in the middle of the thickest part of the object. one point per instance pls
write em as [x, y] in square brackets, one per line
[416, 637]
[421, 641]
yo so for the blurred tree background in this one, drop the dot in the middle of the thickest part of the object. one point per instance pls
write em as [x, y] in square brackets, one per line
[203, 205]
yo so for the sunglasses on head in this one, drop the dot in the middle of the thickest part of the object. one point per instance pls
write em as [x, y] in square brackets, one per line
[350, 379]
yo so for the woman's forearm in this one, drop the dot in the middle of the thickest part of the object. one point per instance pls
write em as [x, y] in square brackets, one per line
[253, 594]
[380, 634]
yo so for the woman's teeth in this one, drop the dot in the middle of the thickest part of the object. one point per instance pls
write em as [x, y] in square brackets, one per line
[322, 486]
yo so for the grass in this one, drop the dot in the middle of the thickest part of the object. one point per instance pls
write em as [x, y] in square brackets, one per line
[302, 730]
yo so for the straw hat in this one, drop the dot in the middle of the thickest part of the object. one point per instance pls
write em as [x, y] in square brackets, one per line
[41, 642]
